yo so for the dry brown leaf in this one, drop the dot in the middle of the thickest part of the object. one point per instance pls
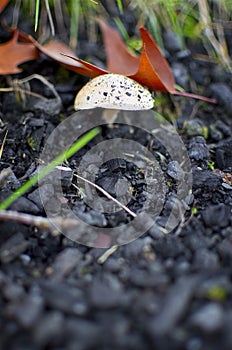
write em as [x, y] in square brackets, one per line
[13, 53]
[62, 54]
[150, 68]
[3, 4]
[153, 70]
[119, 59]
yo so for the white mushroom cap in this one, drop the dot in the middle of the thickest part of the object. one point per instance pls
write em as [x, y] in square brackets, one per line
[114, 91]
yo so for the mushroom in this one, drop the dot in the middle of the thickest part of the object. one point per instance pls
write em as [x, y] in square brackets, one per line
[113, 92]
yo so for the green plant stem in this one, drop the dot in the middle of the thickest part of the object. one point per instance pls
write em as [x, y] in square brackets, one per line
[48, 168]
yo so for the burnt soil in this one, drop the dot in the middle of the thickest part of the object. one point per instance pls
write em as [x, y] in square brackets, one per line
[162, 291]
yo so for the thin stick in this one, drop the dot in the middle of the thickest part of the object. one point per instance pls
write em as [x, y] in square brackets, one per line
[16, 86]
[50, 17]
[18, 89]
[38, 221]
[107, 195]
[107, 254]
[3, 143]
[43, 80]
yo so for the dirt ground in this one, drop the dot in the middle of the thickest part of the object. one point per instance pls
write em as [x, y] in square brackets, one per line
[162, 291]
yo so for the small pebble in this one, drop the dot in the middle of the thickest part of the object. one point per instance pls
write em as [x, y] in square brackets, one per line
[13, 247]
[65, 261]
[223, 93]
[172, 42]
[175, 171]
[208, 318]
[217, 216]
[198, 148]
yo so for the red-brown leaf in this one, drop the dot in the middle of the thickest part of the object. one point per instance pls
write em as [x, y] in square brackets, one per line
[153, 70]
[3, 4]
[150, 69]
[13, 53]
[119, 59]
[62, 54]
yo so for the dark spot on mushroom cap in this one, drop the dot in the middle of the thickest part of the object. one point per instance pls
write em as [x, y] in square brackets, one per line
[88, 98]
[105, 93]
[128, 93]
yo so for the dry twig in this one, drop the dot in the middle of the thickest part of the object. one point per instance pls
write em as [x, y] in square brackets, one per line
[38, 221]
[107, 195]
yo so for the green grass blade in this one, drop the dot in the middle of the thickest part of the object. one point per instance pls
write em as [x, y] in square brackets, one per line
[37, 6]
[120, 6]
[47, 169]
[74, 22]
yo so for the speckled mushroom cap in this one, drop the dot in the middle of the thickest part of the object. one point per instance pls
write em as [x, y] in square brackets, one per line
[114, 91]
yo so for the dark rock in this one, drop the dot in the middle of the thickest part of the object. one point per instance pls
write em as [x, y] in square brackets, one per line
[199, 73]
[104, 297]
[217, 216]
[198, 148]
[214, 133]
[13, 291]
[12, 182]
[91, 217]
[13, 247]
[25, 205]
[174, 305]
[156, 232]
[206, 179]
[183, 54]
[28, 310]
[49, 106]
[206, 259]
[195, 343]
[225, 129]
[223, 94]
[148, 279]
[208, 318]
[169, 246]
[219, 130]
[47, 191]
[65, 298]
[224, 154]
[64, 263]
[225, 250]
[66, 176]
[134, 249]
[175, 171]
[180, 73]
[172, 42]
[35, 122]
[226, 186]
[50, 329]
[84, 333]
